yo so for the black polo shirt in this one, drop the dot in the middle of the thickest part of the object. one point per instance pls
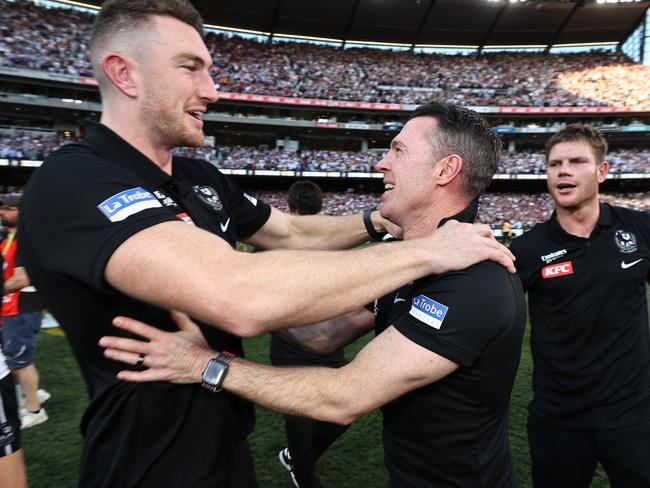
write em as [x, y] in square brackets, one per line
[84, 202]
[283, 353]
[454, 432]
[589, 319]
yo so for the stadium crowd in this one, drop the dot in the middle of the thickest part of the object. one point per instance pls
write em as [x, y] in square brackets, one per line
[54, 40]
[27, 145]
[522, 210]
[30, 145]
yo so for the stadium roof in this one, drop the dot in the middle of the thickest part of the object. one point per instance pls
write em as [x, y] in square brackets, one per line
[433, 22]
[471, 23]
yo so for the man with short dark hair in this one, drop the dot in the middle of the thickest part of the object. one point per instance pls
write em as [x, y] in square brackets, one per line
[448, 344]
[585, 270]
[116, 225]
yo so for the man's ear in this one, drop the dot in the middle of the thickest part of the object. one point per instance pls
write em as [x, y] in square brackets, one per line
[603, 169]
[119, 69]
[448, 169]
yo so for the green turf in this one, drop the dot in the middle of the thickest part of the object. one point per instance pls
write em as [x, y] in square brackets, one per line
[356, 460]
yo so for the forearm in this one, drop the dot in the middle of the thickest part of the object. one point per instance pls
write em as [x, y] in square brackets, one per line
[330, 335]
[247, 294]
[18, 281]
[314, 392]
[328, 232]
[292, 288]
[286, 231]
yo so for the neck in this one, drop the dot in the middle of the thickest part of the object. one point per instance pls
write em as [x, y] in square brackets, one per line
[135, 134]
[424, 223]
[579, 222]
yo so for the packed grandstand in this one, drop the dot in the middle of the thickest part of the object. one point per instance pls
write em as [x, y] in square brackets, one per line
[39, 43]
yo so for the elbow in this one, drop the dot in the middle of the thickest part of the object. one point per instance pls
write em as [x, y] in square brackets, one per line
[345, 411]
[241, 322]
[344, 415]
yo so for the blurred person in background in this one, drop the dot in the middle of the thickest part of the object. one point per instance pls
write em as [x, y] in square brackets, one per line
[22, 315]
[12, 460]
[307, 438]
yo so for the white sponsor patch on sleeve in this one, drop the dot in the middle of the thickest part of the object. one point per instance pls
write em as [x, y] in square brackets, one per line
[428, 311]
[126, 203]
[251, 199]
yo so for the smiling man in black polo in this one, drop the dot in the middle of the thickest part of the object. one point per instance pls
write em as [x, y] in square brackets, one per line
[586, 270]
[447, 348]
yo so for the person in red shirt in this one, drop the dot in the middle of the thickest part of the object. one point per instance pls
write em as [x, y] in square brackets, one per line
[21, 317]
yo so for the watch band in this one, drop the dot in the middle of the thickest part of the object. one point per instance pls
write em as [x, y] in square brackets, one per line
[370, 229]
[223, 359]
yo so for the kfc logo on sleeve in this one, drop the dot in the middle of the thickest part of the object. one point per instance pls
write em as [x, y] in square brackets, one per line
[556, 270]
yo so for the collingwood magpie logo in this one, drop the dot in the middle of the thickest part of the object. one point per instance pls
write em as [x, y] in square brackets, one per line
[625, 241]
[209, 196]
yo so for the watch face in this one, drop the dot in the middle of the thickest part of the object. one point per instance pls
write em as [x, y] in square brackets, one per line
[213, 375]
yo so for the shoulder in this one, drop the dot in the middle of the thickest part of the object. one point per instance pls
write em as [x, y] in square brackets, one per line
[73, 160]
[530, 243]
[629, 216]
[486, 281]
[201, 166]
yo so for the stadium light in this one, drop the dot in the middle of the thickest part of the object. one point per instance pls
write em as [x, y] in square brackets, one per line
[233, 29]
[586, 44]
[376, 43]
[78, 4]
[311, 38]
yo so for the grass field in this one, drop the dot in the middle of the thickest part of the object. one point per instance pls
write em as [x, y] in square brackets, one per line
[354, 461]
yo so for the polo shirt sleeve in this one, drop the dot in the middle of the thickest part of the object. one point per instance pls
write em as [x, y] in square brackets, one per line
[527, 268]
[249, 212]
[457, 315]
[80, 208]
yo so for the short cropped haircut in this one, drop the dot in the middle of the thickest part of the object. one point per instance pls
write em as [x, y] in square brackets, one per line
[305, 198]
[580, 132]
[466, 133]
[125, 15]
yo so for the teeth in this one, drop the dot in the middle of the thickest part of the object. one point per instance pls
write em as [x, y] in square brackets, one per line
[389, 186]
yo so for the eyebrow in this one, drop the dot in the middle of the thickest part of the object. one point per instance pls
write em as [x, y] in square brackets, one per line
[397, 143]
[191, 57]
[571, 160]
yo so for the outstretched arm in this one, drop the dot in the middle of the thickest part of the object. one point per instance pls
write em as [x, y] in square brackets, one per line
[389, 366]
[288, 231]
[188, 269]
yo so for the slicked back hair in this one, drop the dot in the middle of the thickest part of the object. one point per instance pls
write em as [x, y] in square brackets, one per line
[305, 198]
[580, 132]
[466, 133]
[118, 16]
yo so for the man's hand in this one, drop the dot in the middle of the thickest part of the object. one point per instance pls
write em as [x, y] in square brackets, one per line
[177, 357]
[385, 225]
[457, 246]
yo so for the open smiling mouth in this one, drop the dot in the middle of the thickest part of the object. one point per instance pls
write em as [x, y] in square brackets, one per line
[197, 115]
[388, 186]
[564, 187]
